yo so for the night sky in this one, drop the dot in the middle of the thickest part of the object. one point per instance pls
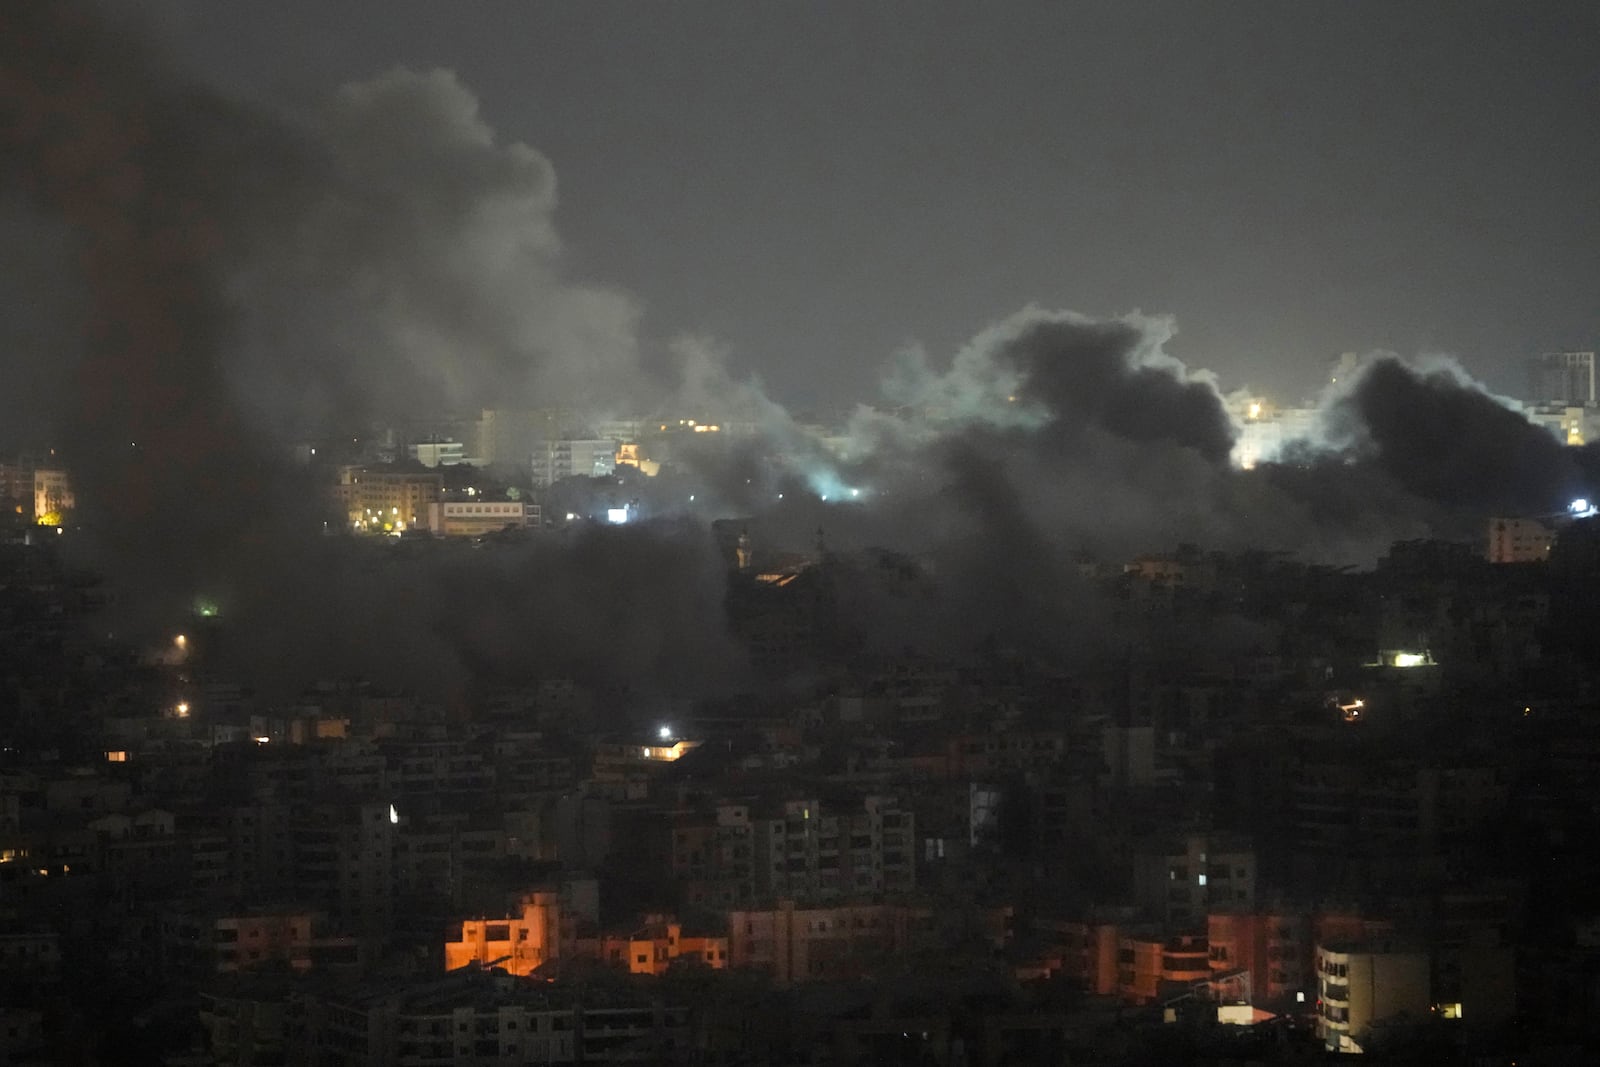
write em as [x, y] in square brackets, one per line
[815, 185]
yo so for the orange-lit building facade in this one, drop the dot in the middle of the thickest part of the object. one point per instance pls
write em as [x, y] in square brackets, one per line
[544, 934]
[655, 947]
[519, 945]
[1514, 540]
[1088, 953]
[1274, 948]
[619, 760]
[1150, 967]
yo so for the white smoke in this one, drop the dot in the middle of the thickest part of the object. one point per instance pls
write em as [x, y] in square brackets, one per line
[419, 268]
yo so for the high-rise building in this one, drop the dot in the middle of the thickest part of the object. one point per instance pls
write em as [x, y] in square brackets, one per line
[1565, 378]
[804, 854]
[40, 493]
[1180, 880]
[507, 436]
[556, 459]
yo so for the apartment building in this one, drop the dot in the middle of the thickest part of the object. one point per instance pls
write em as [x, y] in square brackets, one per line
[519, 944]
[1362, 983]
[809, 853]
[792, 943]
[1180, 880]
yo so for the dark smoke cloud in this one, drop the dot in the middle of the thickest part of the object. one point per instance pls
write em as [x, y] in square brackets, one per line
[633, 608]
[248, 273]
[140, 173]
[1052, 437]
[1049, 435]
[40, 289]
[420, 269]
[1447, 441]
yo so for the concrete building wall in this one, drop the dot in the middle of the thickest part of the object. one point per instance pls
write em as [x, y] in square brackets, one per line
[1513, 540]
[1562, 378]
[519, 944]
[1366, 984]
[794, 944]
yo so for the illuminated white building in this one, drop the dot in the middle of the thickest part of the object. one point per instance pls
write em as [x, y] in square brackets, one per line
[43, 494]
[1358, 985]
[1571, 425]
[1258, 442]
[1263, 430]
[474, 518]
[439, 453]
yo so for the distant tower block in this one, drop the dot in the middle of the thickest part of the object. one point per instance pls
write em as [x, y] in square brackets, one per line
[1565, 378]
[742, 553]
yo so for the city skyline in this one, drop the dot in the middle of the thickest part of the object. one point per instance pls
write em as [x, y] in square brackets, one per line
[736, 533]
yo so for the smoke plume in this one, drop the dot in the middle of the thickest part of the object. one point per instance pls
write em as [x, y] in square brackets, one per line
[238, 276]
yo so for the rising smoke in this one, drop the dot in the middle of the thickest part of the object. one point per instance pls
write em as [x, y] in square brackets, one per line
[239, 274]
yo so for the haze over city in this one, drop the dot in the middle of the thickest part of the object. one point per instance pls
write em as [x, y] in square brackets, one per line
[686, 412]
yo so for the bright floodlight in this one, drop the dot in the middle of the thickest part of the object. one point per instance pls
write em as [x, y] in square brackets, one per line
[617, 515]
[1579, 506]
[665, 733]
